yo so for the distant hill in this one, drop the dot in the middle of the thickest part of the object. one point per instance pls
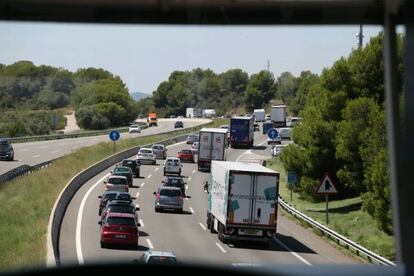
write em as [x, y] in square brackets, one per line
[139, 95]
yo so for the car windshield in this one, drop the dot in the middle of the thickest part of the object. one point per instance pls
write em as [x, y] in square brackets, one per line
[161, 260]
[117, 181]
[170, 193]
[120, 221]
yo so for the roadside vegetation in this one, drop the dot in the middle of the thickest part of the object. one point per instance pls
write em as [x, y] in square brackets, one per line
[346, 217]
[28, 200]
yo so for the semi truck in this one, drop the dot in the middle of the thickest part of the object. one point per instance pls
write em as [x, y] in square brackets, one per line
[242, 201]
[259, 115]
[241, 132]
[152, 119]
[212, 145]
[278, 115]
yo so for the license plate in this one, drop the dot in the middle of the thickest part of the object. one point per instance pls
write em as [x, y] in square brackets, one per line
[120, 236]
[250, 232]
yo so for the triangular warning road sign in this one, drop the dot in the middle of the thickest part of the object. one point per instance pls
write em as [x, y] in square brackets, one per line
[327, 186]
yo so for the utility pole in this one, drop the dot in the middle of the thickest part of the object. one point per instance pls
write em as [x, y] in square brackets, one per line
[268, 66]
[360, 37]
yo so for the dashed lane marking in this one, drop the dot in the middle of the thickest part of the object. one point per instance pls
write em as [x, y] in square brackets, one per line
[141, 222]
[191, 210]
[150, 244]
[221, 248]
[202, 226]
[149, 176]
[143, 183]
[291, 251]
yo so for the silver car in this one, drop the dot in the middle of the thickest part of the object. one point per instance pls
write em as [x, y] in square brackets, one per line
[158, 257]
[169, 198]
[116, 183]
[159, 150]
[192, 138]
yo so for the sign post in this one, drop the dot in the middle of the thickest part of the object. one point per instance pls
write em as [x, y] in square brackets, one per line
[114, 136]
[272, 134]
[325, 188]
[292, 178]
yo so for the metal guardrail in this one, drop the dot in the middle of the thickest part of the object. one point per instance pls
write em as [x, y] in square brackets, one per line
[26, 139]
[360, 250]
[23, 170]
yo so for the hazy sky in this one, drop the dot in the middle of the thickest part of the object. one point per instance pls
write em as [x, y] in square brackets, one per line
[145, 55]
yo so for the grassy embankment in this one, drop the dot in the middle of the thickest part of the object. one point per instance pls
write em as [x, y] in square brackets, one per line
[26, 203]
[345, 217]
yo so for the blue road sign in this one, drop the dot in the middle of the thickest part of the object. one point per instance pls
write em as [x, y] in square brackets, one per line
[114, 135]
[292, 177]
[272, 133]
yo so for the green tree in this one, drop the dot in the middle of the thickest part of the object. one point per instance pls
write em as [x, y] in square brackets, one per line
[260, 90]
[287, 86]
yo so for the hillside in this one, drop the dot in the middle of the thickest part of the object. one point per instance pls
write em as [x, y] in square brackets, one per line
[139, 95]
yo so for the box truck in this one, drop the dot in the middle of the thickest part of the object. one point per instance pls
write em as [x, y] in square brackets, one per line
[189, 112]
[242, 201]
[212, 145]
[152, 119]
[259, 115]
[241, 132]
[278, 115]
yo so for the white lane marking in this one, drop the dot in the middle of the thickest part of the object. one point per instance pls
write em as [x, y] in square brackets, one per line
[202, 226]
[24, 150]
[143, 183]
[79, 219]
[191, 210]
[221, 248]
[150, 244]
[186, 186]
[189, 179]
[149, 176]
[36, 156]
[141, 222]
[55, 151]
[137, 194]
[291, 251]
[245, 152]
[156, 169]
[193, 171]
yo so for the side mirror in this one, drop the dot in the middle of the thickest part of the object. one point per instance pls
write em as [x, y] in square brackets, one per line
[137, 209]
[112, 172]
[100, 222]
[154, 193]
[133, 198]
[99, 196]
[163, 181]
[104, 182]
[139, 224]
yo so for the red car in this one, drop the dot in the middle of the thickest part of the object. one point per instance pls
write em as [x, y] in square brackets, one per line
[186, 155]
[119, 228]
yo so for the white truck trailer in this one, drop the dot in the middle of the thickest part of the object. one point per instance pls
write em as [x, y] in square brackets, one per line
[259, 115]
[242, 201]
[212, 145]
[189, 112]
[278, 115]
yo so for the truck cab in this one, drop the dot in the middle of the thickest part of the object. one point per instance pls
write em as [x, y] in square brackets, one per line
[152, 119]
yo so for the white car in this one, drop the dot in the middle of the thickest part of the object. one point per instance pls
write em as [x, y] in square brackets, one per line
[194, 147]
[172, 165]
[134, 128]
[277, 150]
[284, 132]
[146, 155]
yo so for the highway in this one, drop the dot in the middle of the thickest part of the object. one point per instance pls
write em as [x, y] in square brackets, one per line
[33, 153]
[186, 233]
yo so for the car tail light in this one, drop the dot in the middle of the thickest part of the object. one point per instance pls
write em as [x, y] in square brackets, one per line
[126, 188]
[158, 196]
[105, 230]
[106, 187]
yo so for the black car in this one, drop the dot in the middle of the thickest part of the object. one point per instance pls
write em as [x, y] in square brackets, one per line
[6, 149]
[112, 195]
[124, 171]
[179, 124]
[118, 206]
[133, 164]
[174, 181]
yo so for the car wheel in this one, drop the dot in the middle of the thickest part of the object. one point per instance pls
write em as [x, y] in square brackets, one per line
[180, 210]
[156, 210]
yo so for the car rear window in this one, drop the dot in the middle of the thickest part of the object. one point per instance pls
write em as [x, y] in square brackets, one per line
[145, 151]
[125, 196]
[157, 147]
[170, 193]
[110, 196]
[186, 151]
[121, 209]
[134, 126]
[122, 170]
[117, 181]
[120, 220]
[161, 260]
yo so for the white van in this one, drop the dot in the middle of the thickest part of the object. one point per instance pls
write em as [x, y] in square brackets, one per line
[172, 165]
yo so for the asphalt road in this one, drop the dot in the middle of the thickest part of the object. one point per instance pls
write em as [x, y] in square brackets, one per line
[186, 233]
[37, 152]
